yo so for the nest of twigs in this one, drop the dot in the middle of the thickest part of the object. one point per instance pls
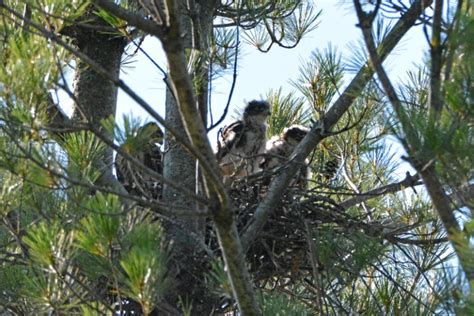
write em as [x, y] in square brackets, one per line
[282, 247]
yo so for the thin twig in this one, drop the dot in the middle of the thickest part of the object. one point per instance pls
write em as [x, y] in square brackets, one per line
[232, 87]
[426, 169]
[316, 135]
[182, 139]
[409, 181]
[314, 265]
[436, 104]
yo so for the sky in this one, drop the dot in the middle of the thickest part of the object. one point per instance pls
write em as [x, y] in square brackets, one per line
[260, 72]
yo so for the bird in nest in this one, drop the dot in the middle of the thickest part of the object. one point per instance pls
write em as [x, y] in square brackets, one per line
[144, 145]
[242, 143]
[279, 149]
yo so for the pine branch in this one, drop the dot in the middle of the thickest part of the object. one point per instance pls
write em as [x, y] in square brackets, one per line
[221, 209]
[436, 50]
[164, 209]
[134, 19]
[464, 196]
[59, 124]
[409, 181]
[318, 132]
[426, 169]
[110, 179]
[182, 139]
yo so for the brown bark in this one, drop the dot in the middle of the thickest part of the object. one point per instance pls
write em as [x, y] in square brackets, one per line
[191, 262]
[97, 95]
[424, 166]
[320, 131]
[196, 131]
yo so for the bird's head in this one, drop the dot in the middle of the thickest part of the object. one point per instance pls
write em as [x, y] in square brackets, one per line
[152, 132]
[260, 109]
[295, 133]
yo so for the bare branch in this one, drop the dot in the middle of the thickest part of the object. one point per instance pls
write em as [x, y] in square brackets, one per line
[134, 19]
[234, 80]
[436, 51]
[426, 169]
[318, 132]
[314, 265]
[409, 181]
[220, 207]
[417, 242]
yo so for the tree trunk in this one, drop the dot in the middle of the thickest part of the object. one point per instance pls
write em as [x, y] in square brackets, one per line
[190, 261]
[96, 96]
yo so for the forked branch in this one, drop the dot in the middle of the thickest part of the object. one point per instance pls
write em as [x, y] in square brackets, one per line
[426, 169]
[320, 131]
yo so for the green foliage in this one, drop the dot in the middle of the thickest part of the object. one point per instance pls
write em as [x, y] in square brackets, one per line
[320, 78]
[222, 50]
[131, 135]
[13, 279]
[11, 192]
[82, 150]
[218, 281]
[99, 230]
[282, 305]
[444, 137]
[284, 26]
[286, 110]
[145, 265]
[53, 293]
[359, 54]
[117, 23]
[49, 245]
[30, 74]
[68, 250]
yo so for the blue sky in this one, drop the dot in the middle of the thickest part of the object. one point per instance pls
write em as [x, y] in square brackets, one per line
[260, 72]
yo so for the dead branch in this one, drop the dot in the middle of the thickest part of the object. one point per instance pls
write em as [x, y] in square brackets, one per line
[317, 133]
[409, 181]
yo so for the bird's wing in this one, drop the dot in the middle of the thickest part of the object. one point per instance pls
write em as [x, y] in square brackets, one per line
[123, 171]
[119, 168]
[275, 153]
[230, 136]
[137, 181]
[153, 158]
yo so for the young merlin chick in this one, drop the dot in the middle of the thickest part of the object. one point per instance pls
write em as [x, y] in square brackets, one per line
[144, 147]
[278, 151]
[242, 143]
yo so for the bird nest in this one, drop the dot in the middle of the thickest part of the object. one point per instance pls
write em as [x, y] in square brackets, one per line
[281, 248]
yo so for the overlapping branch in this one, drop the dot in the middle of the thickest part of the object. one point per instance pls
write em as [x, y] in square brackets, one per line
[220, 207]
[425, 168]
[409, 181]
[134, 19]
[320, 131]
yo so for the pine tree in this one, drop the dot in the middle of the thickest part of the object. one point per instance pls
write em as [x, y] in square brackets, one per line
[360, 239]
